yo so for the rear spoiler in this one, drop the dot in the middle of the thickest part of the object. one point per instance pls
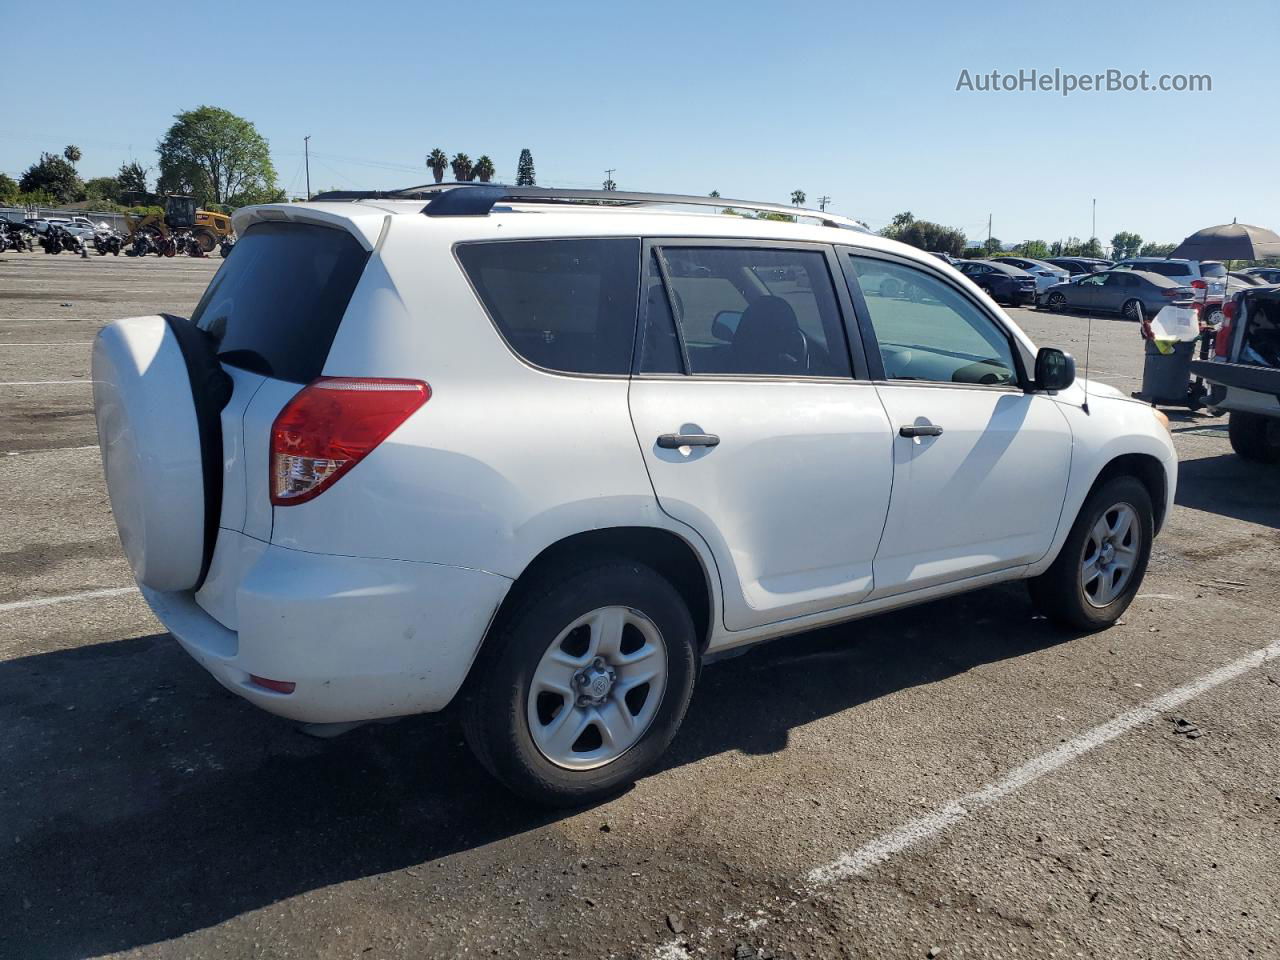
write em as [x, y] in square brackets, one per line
[366, 224]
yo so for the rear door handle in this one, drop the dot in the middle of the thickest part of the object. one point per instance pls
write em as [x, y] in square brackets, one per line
[673, 441]
[923, 430]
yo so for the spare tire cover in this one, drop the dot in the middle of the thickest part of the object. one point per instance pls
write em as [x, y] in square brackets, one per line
[155, 436]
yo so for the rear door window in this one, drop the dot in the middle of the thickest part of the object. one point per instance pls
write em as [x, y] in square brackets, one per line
[565, 305]
[750, 310]
[274, 306]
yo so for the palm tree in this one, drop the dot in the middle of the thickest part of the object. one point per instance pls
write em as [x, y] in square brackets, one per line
[438, 160]
[797, 197]
[715, 194]
[461, 164]
[72, 153]
[483, 168]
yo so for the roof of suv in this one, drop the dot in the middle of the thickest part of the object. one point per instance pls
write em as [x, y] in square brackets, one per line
[365, 212]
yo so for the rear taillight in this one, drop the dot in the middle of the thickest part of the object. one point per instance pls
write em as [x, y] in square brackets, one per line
[1172, 292]
[329, 426]
[1222, 340]
[1199, 285]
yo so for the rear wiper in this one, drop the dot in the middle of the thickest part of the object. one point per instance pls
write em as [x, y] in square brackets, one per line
[250, 360]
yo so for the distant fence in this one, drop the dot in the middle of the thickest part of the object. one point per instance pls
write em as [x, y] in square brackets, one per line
[114, 220]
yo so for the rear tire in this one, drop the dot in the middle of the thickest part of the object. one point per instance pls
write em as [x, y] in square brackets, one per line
[1132, 310]
[1088, 587]
[511, 705]
[1254, 437]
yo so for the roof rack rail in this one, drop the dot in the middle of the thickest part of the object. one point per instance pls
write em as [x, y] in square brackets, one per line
[470, 199]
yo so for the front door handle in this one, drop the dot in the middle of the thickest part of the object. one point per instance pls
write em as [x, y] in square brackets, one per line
[922, 430]
[673, 441]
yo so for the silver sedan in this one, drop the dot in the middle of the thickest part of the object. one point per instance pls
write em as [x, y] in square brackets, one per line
[1131, 293]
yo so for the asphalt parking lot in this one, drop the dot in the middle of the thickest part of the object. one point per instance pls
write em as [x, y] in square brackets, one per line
[957, 780]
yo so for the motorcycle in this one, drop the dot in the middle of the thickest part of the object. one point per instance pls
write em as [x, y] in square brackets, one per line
[107, 241]
[57, 239]
[15, 236]
[140, 246]
[226, 244]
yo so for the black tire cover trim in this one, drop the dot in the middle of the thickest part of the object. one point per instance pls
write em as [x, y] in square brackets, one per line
[211, 388]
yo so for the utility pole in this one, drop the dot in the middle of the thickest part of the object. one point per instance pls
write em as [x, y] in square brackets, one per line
[822, 202]
[306, 152]
[608, 179]
[1093, 230]
[988, 234]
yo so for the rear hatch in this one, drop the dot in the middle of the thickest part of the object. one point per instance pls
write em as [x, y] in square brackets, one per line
[273, 310]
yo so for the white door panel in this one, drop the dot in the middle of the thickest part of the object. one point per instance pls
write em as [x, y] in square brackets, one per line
[791, 501]
[984, 495]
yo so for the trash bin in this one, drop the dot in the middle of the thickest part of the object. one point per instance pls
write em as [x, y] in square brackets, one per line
[1166, 377]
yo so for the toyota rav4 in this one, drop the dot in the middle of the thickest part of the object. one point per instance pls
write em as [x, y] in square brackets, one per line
[543, 452]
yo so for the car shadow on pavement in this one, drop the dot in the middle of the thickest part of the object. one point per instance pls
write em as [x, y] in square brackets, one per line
[141, 802]
[1231, 486]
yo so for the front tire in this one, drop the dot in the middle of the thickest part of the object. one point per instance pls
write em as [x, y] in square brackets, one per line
[1101, 566]
[585, 683]
[1254, 437]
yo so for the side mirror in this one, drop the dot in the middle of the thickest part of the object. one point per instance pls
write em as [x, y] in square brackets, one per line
[725, 325]
[1055, 369]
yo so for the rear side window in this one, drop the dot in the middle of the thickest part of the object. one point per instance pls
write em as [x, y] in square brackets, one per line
[1212, 270]
[275, 305]
[566, 305]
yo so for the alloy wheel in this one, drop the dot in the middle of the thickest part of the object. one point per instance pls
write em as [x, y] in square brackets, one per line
[1110, 554]
[597, 688]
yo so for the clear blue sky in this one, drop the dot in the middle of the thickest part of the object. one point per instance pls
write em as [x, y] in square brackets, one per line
[853, 100]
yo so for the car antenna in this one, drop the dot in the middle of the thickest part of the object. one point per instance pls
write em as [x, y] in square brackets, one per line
[1088, 342]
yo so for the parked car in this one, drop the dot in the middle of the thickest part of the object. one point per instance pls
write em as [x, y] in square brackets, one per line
[944, 257]
[544, 459]
[1046, 274]
[1003, 283]
[1244, 372]
[1265, 274]
[1131, 293]
[1206, 277]
[1079, 266]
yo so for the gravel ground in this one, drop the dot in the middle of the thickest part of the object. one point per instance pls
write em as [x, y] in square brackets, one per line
[146, 812]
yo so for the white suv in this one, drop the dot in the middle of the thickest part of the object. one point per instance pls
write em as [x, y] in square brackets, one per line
[543, 458]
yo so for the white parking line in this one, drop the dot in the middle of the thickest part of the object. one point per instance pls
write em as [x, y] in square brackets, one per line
[51, 343]
[66, 598]
[923, 828]
[31, 453]
[42, 383]
[917, 831]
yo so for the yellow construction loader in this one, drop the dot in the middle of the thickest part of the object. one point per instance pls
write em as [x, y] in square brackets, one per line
[180, 213]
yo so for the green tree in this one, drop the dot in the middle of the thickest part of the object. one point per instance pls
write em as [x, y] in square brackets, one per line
[102, 188]
[1126, 244]
[1090, 248]
[715, 194]
[8, 189]
[524, 169]
[132, 177]
[55, 176]
[461, 164]
[932, 236]
[1156, 249]
[484, 170]
[797, 198]
[71, 153]
[992, 246]
[438, 161]
[217, 157]
[1035, 249]
[899, 223]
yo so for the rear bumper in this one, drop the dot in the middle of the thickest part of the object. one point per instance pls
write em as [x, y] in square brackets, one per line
[361, 639]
